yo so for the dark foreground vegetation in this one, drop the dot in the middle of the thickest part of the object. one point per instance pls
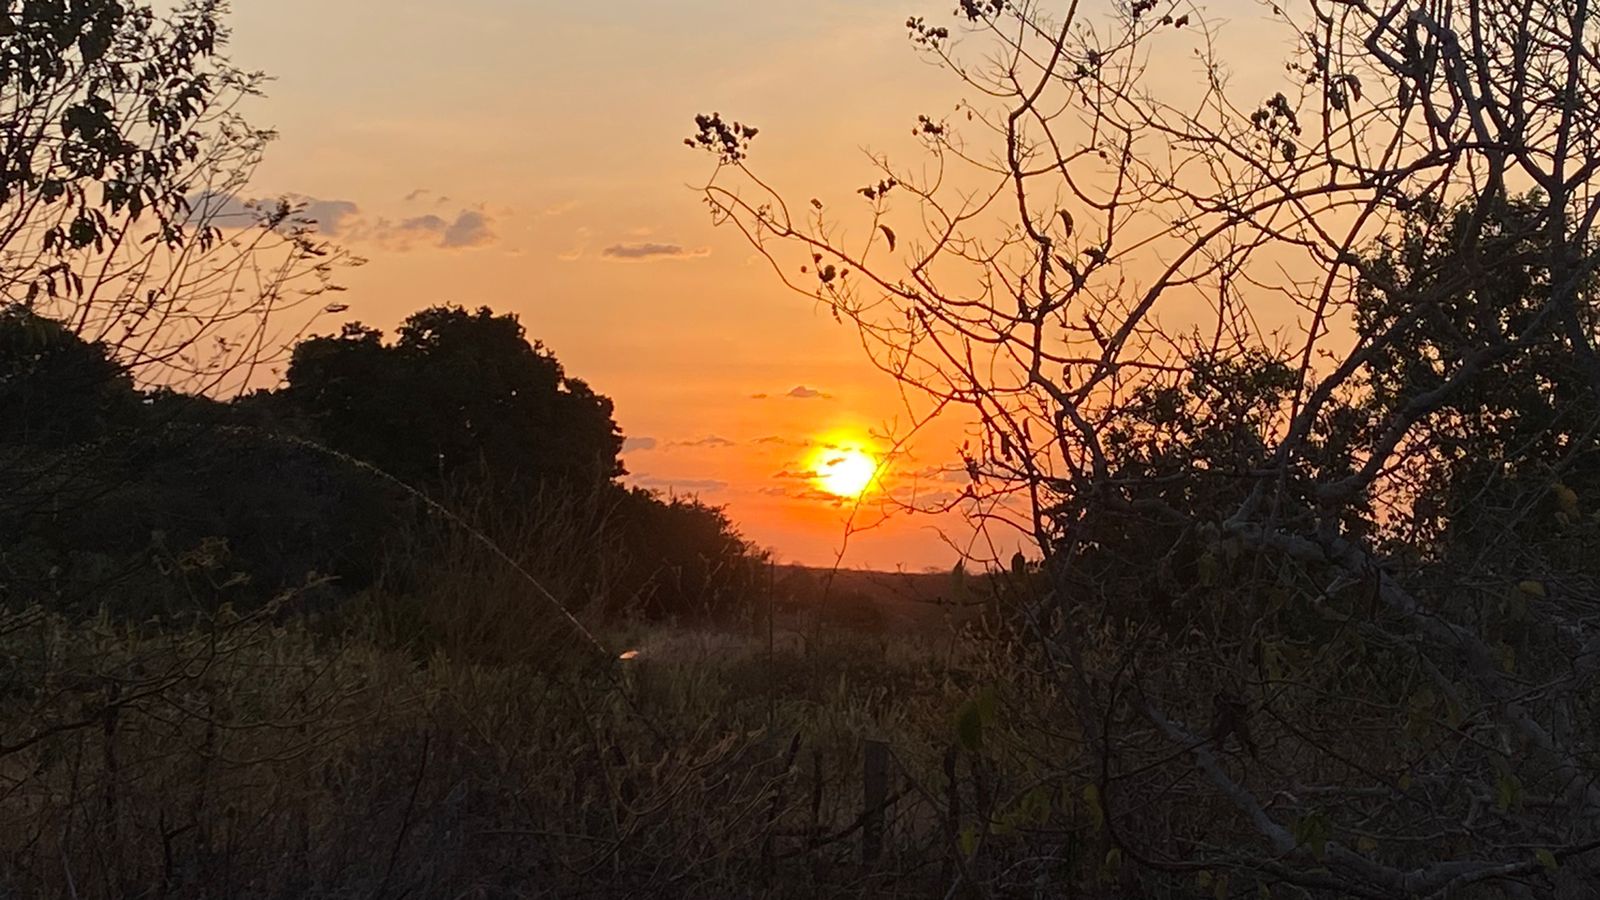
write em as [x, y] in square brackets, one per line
[1308, 449]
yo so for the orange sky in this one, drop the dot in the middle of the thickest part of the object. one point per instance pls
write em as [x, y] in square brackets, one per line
[528, 156]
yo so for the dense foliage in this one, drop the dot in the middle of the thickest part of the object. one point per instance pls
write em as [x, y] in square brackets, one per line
[459, 424]
[1293, 386]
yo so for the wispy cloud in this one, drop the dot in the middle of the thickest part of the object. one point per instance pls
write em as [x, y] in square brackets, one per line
[798, 392]
[469, 228]
[327, 217]
[630, 445]
[650, 250]
[429, 222]
[710, 440]
[330, 215]
[686, 485]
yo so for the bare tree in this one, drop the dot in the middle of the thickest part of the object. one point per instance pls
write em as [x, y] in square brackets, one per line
[124, 161]
[1244, 358]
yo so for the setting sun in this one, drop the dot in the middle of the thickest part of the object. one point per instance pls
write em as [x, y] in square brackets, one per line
[845, 471]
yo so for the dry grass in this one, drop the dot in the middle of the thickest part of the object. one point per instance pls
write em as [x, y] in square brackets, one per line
[251, 757]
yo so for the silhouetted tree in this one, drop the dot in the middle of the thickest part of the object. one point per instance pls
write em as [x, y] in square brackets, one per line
[1296, 396]
[457, 393]
[685, 558]
[55, 388]
[123, 162]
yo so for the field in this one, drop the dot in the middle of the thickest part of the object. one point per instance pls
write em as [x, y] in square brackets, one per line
[258, 756]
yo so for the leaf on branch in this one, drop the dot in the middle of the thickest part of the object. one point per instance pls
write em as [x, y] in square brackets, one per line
[888, 234]
[969, 727]
[1567, 499]
[1507, 792]
[1313, 831]
[1091, 799]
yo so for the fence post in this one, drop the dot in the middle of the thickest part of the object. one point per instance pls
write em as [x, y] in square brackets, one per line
[875, 795]
[952, 820]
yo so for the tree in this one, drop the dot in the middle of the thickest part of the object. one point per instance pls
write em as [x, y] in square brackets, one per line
[1508, 455]
[457, 394]
[684, 559]
[131, 258]
[55, 388]
[1285, 364]
[123, 163]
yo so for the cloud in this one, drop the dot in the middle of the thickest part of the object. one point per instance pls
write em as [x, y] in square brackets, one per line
[638, 443]
[648, 250]
[225, 210]
[429, 222]
[710, 440]
[691, 485]
[330, 215]
[795, 474]
[798, 392]
[470, 229]
[344, 219]
[325, 217]
[561, 209]
[582, 233]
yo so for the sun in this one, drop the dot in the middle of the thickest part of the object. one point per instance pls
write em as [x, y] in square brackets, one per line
[845, 471]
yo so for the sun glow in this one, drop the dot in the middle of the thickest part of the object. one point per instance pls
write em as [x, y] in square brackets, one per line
[844, 471]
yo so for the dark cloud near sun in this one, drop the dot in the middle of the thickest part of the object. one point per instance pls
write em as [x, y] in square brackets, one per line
[651, 250]
[689, 485]
[710, 440]
[798, 392]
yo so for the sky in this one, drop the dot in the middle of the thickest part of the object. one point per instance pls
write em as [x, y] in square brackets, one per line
[529, 156]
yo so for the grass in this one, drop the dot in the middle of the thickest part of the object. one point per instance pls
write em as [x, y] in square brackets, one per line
[252, 756]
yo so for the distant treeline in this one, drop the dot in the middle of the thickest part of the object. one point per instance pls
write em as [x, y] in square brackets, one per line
[154, 501]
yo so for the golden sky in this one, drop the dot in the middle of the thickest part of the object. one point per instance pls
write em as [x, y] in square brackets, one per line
[527, 155]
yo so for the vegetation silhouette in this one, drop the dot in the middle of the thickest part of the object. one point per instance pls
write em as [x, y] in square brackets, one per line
[1292, 390]
[1295, 397]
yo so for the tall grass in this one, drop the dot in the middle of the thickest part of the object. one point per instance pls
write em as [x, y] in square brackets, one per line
[250, 756]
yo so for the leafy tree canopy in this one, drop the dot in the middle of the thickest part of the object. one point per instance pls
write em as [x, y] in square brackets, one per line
[456, 393]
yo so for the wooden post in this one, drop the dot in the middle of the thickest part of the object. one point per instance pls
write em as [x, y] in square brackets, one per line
[875, 795]
[772, 611]
[952, 821]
